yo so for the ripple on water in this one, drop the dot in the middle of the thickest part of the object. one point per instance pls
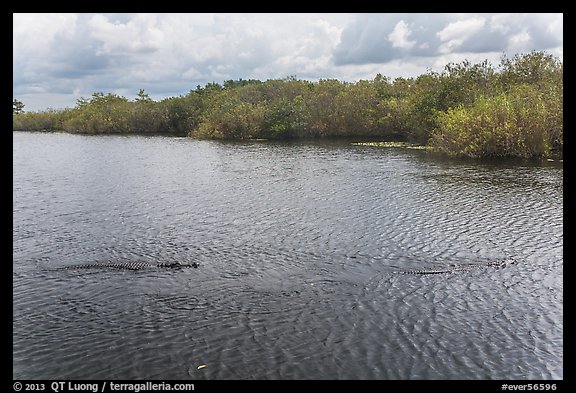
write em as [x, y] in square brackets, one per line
[299, 246]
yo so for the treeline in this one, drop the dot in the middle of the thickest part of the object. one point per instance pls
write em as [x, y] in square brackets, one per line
[468, 109]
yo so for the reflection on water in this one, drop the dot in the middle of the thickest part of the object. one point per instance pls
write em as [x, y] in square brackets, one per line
[299, 246]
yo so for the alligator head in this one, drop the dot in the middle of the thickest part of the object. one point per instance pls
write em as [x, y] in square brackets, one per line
[178, 265]
[502, 262]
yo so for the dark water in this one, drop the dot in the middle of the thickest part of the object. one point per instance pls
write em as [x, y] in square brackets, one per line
[300, 247]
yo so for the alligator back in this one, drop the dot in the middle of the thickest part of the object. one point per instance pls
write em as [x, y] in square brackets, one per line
[499, 263]
[132, 265]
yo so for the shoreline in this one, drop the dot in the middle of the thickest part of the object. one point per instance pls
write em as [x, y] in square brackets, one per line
[369, 141]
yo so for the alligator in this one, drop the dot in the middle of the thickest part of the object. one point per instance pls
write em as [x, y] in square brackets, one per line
[133, 265]
[464, 268]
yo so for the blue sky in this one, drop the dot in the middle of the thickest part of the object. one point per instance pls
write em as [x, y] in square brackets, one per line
[58, 58]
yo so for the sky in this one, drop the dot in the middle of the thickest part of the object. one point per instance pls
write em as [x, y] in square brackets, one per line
[59, 58]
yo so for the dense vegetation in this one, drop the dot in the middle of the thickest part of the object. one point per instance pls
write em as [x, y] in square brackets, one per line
[472, 110]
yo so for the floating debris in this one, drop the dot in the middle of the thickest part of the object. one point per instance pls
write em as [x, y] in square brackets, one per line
[403, 145]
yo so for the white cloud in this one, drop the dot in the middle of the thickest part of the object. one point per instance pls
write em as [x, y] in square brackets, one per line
[461, 28]
[456, 33]
[140, 34]
[520, 40]
[555, 25]
[400, 36]
[502, 22]
[72, 55]
[35, 31]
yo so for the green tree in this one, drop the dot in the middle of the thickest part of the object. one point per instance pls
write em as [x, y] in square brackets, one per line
[509, 124]
[467, 109]
[100, 114]
[142, 96]
[17, 106]
[534, 68]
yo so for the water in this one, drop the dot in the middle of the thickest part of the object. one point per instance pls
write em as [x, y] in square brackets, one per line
[300, 248]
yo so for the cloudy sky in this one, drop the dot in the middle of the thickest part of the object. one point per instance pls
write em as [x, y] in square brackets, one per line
[58, 58]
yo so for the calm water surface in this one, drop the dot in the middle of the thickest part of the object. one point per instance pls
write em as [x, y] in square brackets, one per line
[300, 249]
